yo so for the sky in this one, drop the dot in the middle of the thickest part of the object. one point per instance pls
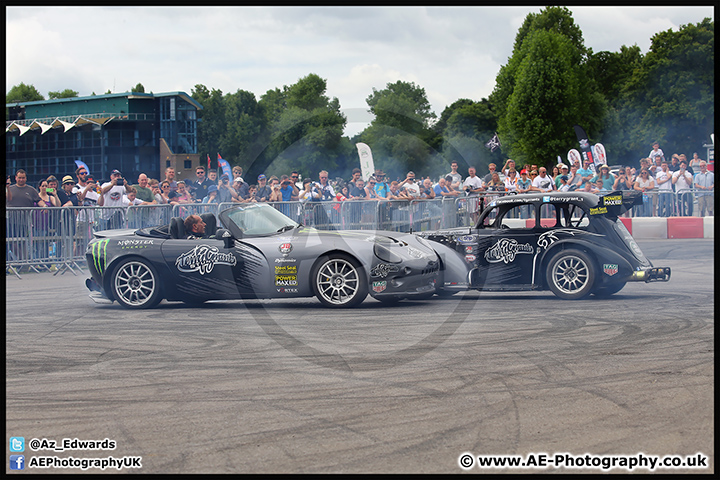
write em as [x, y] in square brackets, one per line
[451, 52]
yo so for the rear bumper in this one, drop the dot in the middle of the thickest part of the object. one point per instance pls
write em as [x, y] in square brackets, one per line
[655, 274]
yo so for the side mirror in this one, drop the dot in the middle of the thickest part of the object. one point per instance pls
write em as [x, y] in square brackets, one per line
[225, 235]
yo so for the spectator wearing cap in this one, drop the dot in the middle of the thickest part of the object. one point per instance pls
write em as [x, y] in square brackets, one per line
[564, 185]
[242, 190]
[211, 196]
[263, 191]
[409, 186]
[524, 183]
[381, 186]
[225, 192]
[562, 170]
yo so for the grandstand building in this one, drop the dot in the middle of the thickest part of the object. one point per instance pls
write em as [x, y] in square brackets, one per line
[132, 132]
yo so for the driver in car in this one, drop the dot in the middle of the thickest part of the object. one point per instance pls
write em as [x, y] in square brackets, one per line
[195, 227]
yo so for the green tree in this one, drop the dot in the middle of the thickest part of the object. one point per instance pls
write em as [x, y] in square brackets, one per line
[139, 88]
[304, 129]
[400, 135]
[23, 93]
[211, 120]
[670, 98]
[244, 126]
[67, 93]
[465, 127]
[545, 89]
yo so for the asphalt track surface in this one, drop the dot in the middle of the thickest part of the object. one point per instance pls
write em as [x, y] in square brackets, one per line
[288, 386]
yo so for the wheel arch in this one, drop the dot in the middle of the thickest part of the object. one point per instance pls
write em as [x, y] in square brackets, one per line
[572, 244]
[110, 269]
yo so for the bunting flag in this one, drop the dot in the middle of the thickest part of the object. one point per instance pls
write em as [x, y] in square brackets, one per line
[81, 164]
[225, 166]
[493, 143]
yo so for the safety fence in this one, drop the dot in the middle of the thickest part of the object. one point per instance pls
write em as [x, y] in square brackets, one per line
[55, 239]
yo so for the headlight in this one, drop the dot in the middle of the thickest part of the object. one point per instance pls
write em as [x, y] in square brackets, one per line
[385, 254]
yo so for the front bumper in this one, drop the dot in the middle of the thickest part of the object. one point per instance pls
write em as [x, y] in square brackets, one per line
[655, 274]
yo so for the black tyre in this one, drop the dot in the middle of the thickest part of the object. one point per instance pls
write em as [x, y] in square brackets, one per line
[603, 292]
[571, 274]
[134, 284]
[339, 281]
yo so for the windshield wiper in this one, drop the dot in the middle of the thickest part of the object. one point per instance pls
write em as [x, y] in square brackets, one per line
[285, 228]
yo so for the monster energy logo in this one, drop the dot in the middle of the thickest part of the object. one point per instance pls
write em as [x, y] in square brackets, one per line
[99, 253]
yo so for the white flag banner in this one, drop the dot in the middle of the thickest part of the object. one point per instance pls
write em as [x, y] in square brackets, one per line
[366, 160]
[599, 154]
[574, 156]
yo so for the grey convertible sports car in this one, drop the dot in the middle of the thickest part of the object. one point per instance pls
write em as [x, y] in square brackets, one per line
[260, 253]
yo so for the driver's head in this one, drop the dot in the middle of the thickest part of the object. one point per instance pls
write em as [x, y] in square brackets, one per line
[194, 224]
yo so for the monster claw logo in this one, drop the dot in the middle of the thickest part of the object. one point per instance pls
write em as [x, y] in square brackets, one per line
[99, 253]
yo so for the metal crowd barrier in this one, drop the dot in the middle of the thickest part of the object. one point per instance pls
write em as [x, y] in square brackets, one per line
[55, 239]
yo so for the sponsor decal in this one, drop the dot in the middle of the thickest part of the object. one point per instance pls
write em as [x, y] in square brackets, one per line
[203, 259]
[612, 200]
[468, 249]
[382, 269]
[286, 280]
[286, 270]
[134, 243]
[285, 260]
[379, 286]
[99, 253]
[610, 268]
[466, 239]
[505, 250]
[415, 253]
[287, 290]
[470, 258]
[285, 248]
[598, 210]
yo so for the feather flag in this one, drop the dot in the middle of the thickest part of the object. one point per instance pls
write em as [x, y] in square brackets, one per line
[208, 161]
[367, 165]
[493, 143]
[225, 166]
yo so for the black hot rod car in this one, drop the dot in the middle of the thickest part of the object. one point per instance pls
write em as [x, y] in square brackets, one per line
[572, 243]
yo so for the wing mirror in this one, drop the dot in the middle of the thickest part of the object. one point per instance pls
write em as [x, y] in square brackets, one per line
[225, 235]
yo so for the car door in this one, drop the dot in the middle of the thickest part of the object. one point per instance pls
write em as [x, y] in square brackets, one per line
[207, 269]
[506, 252]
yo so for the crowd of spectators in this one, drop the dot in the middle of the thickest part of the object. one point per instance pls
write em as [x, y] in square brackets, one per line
[656, 174]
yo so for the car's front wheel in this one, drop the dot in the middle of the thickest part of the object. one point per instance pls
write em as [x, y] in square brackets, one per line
[339, 281]
[135, 284]
[571, 274]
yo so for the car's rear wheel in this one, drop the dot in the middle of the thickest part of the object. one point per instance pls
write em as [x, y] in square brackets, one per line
[339, 281]
[135, 284]
[571, 274]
